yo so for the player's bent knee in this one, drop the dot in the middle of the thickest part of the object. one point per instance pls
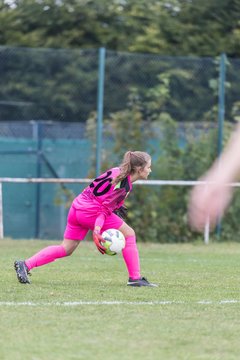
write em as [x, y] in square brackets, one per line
[127, 231]
[131, 232]
[69, 252]
[70, 246]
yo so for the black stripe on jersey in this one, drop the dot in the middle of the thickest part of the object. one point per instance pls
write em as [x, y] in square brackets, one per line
[125, 185]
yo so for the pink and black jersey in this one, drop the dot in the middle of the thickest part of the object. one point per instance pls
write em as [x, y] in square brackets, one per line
[101, 192]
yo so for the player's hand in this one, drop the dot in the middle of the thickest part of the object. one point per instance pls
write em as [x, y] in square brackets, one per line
[98, 239]
[208, 204]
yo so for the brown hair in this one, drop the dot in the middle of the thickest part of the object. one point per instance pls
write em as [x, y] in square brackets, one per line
[132, 161]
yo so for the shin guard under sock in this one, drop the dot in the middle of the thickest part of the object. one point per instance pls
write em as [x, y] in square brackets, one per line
[131, 257]
[46, 256]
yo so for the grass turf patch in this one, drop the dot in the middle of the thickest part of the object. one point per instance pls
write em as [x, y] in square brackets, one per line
[80, 307]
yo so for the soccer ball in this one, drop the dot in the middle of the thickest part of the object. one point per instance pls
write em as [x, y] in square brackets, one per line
[114, 241]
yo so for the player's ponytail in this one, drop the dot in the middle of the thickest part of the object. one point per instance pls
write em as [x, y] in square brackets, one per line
[132, 161]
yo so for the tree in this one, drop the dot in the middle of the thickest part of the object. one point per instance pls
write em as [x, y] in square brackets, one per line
[173, 27]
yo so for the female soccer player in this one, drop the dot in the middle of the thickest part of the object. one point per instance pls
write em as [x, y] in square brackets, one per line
[93, 209]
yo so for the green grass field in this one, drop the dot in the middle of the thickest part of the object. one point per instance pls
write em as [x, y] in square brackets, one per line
[80, 307]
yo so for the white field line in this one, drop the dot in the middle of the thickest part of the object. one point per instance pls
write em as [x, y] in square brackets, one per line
[135, 303]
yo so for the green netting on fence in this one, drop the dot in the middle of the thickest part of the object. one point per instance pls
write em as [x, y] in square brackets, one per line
[49, 111]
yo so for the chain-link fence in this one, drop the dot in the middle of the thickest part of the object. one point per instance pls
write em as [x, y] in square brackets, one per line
[49, 111]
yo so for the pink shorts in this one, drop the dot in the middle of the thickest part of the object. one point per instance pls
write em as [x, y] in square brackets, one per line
[80, 221]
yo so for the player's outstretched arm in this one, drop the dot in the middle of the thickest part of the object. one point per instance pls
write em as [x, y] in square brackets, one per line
[209, 202]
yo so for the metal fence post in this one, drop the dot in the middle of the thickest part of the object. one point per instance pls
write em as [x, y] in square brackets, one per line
[221, 112]
[38, 130]
[221, 101]
[100, 100]
[1, 212]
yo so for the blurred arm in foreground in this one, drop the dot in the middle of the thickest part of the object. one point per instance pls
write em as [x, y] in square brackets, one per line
[208, 202]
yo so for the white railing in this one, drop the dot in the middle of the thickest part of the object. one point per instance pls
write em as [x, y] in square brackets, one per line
[82, 181]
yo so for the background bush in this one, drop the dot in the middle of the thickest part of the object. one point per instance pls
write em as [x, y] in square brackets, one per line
[159, 213]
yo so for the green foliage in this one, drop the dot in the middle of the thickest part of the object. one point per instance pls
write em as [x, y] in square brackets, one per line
[179, 162]
[160, 213]
[180, 152]
[187, 163]
[204, 28]
[127, 126]
[61, 85]
[47, 84]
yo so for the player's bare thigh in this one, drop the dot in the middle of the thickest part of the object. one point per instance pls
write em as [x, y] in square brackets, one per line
[70, 245]
[126, 230]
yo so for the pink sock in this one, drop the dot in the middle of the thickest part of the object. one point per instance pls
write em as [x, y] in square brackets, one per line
[46, 256]
[131, 257]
